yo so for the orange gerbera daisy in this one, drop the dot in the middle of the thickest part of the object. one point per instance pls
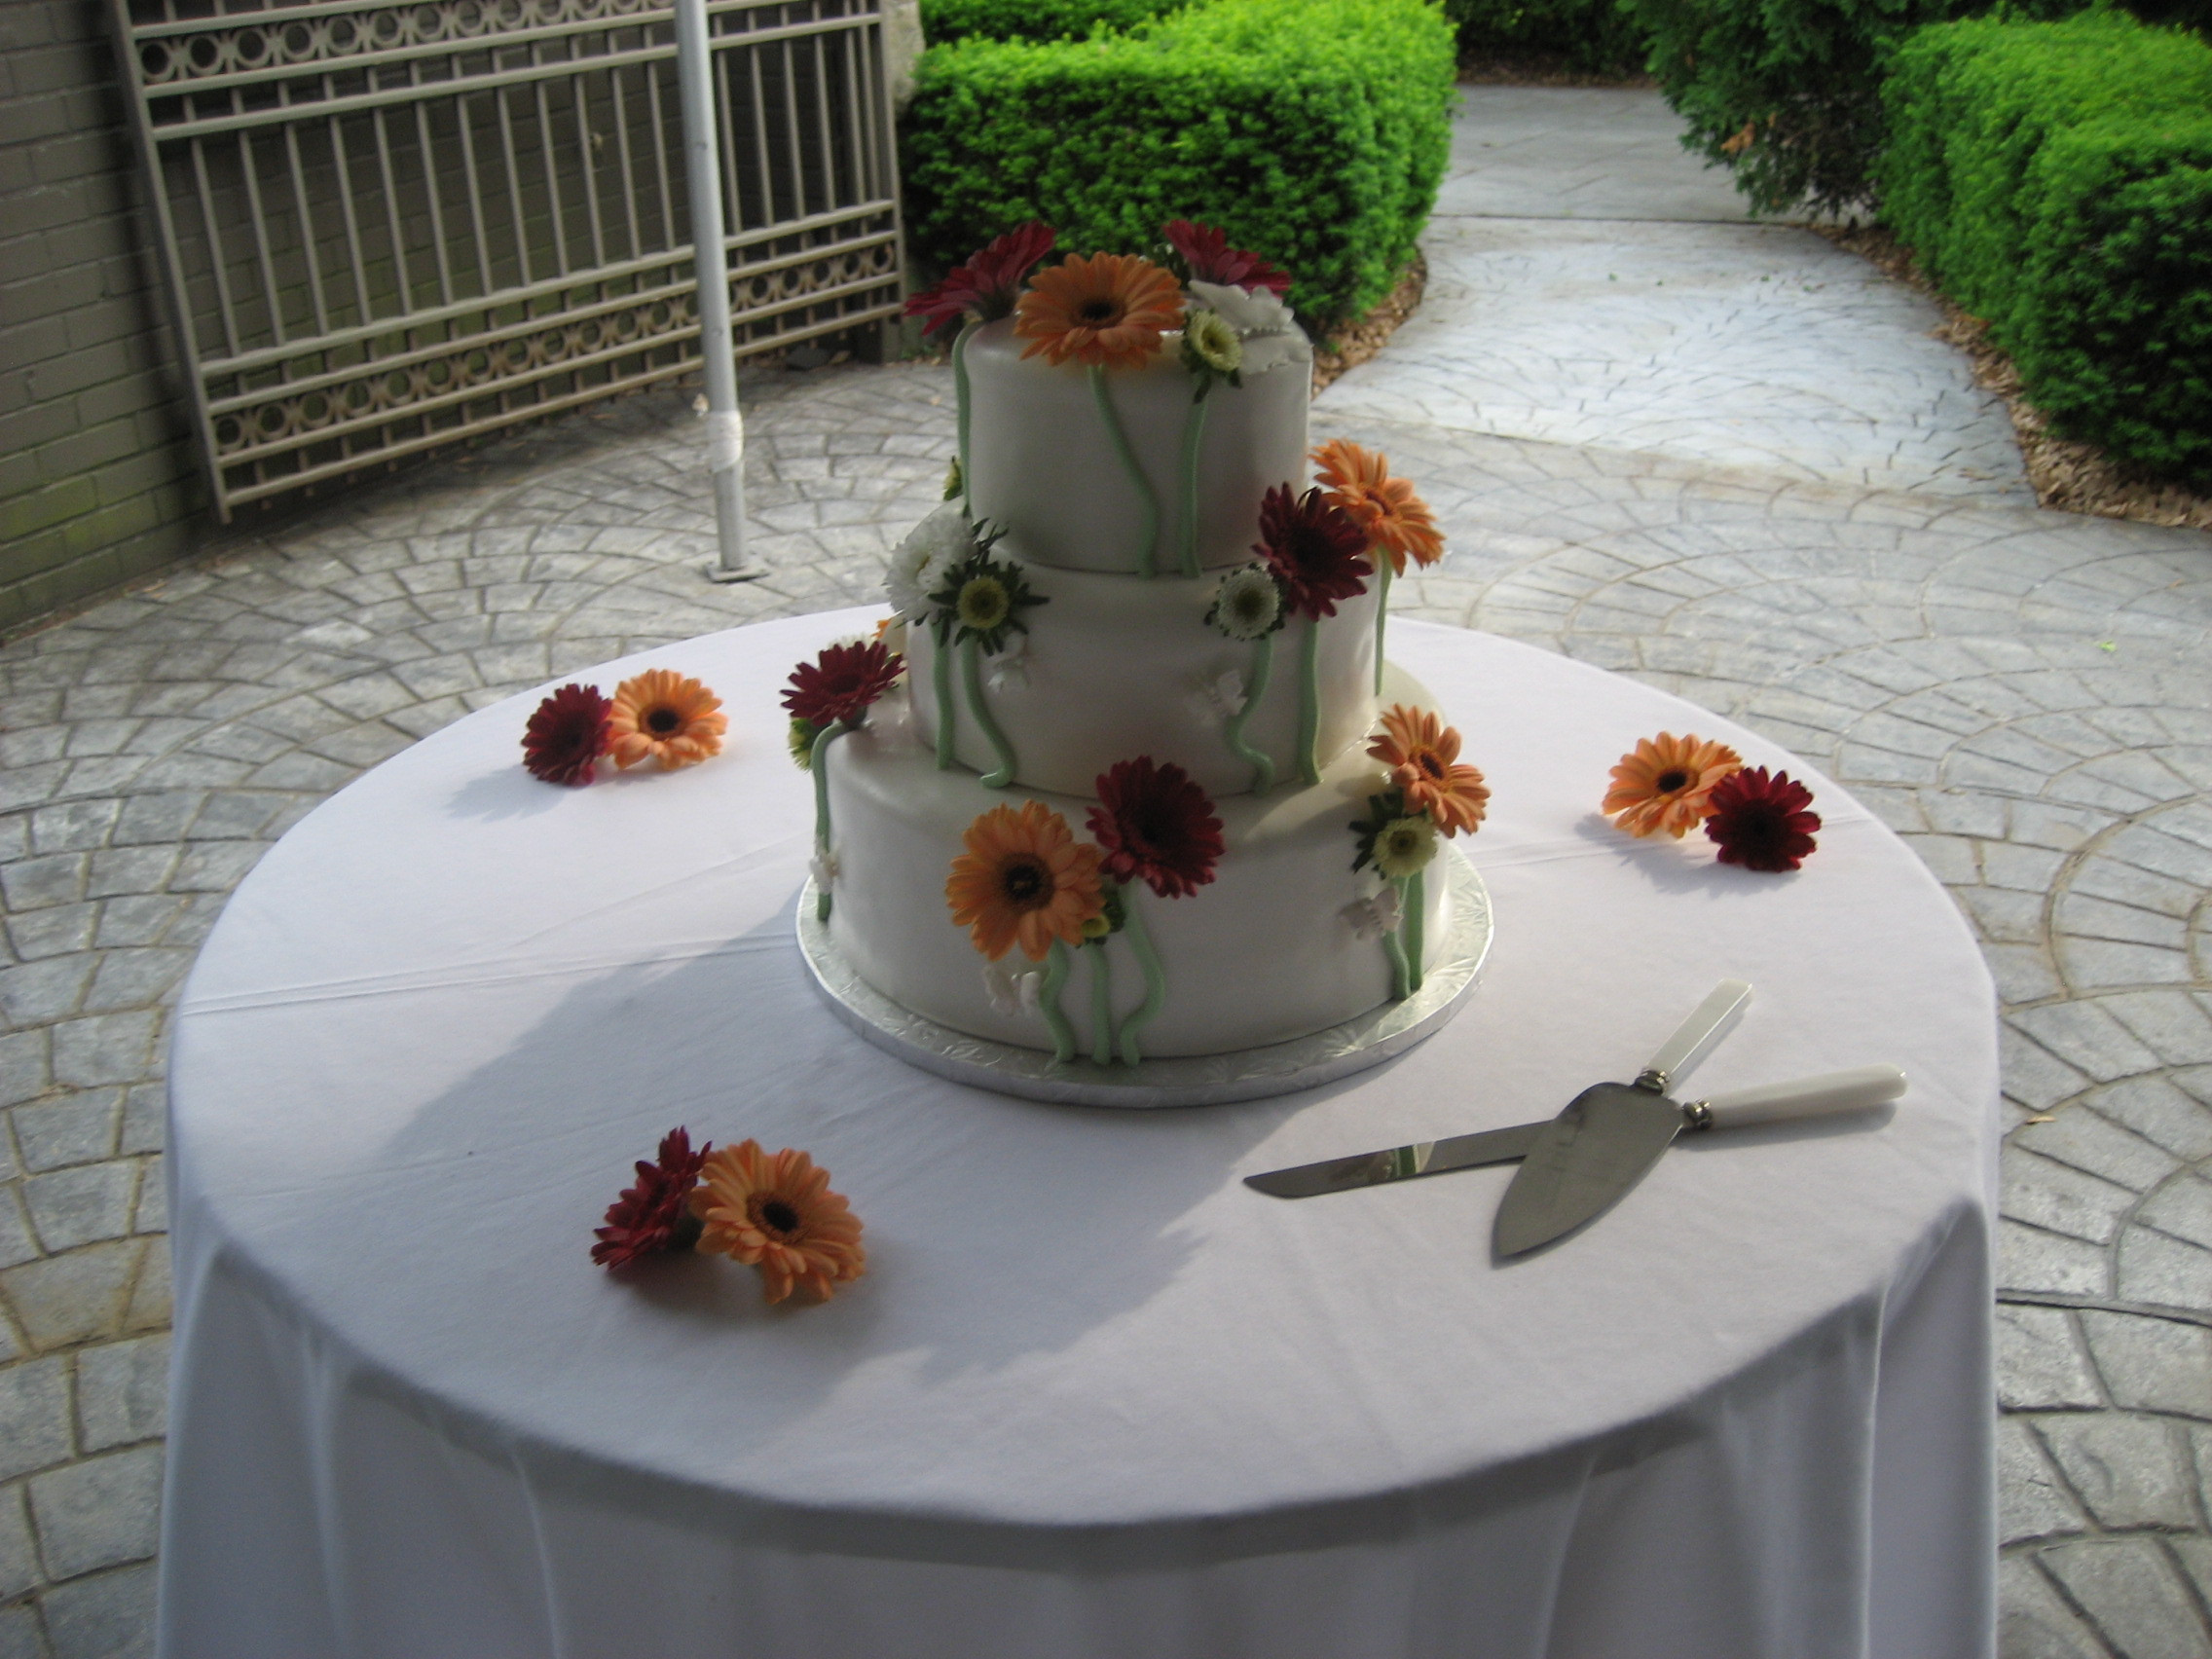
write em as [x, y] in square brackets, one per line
[1024, 879]
[661, 716]
[1396, 520]
[1665, 784]
[1422, 753]
[775, 1211]
[1109, 307]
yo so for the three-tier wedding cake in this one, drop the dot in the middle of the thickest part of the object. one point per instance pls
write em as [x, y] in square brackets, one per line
[1112, 783]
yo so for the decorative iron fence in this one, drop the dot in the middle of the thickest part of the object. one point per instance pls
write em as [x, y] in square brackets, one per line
[389, 224]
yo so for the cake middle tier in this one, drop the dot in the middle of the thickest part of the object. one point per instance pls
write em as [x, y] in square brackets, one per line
[1115, 667]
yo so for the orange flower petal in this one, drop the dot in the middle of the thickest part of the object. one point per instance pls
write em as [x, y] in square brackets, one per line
[664, 715]
[1106, 309]
[1396, 521]
[1664, 785]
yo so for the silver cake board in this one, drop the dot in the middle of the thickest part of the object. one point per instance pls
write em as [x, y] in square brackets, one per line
[1203, 1080]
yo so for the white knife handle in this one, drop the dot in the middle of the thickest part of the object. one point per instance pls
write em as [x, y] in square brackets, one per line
[1805, 1098]
[1695, 1037]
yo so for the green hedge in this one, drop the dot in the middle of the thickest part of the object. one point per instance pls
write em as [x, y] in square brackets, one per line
[1313, 132]
[1596, 36]
[946, 20]
[2056, 179]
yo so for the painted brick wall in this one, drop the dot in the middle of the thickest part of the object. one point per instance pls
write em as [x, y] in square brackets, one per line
[98, 480]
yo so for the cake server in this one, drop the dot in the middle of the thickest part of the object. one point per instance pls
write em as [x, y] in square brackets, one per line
[1689, 1044]
[1610, 1134]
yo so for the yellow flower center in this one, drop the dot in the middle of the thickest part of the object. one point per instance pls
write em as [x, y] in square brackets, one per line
[983, 603]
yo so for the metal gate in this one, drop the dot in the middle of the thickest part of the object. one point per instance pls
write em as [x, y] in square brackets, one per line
[388, 224]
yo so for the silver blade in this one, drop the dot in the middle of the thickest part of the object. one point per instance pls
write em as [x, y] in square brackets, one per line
[1399, 1162]
[1584, 1159]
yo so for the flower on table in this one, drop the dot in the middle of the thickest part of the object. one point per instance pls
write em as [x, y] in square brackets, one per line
[982, 599]
[1023, 880]
[1315, 551]
[566, 735]
[1155, 823]
[1395, 518]
[665, 716]
[1107, 308]
[1665, 784]
[921, 562]
[1248, 605]
[775, 1211]
[1422, 753]
[1264, 326]
[1206, 257]
[987, 286]
[1761, 822]
[1381, 913]
[839, 685]
[653, 1216]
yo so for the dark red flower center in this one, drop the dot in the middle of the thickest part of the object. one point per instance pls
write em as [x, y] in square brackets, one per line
[1098, 313]
[663, 721]
[1668, 782]
[779, 1215]
[1429, 763]
[1025, 883]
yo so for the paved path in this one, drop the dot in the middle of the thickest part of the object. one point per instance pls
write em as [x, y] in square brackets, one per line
[1851, 567]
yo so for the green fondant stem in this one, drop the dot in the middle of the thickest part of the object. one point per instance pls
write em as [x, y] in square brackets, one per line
[1255, 682]
[972, 676]
[940, 682]
[818, 762]
[1309, 701]
[1154, 980]
[1128, 458]
[1056, 967]
[960, 402]
[1193, 433]
[1397, 954]
[1414, 894]
[1101, 1006]
[1382, 612]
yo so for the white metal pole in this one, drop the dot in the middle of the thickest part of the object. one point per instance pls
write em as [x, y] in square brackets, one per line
[702, 172]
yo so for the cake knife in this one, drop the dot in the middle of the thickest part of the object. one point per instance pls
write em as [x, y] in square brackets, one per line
[1692, 1040]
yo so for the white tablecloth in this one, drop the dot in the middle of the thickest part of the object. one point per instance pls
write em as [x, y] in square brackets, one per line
[1094, 1397]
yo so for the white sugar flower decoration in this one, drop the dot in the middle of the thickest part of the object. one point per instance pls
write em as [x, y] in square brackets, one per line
[1010, 667]
[1372, 918]
[919, 564]
[1014, 993]
[823, 867]
[1248, 604]
[1263, 322]
[1222, 693]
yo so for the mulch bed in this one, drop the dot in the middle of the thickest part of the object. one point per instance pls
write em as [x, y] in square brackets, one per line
[2070, 476]
[1352, 344]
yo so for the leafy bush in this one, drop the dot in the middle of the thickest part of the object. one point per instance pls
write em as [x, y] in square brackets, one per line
[946, 20]
[1596, 36]
[2056, 179]
[1313, 132]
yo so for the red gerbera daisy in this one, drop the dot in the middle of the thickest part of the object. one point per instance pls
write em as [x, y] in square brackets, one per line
[567, 734]
[1156, 825]
[1316, 551]
[841, 683]
[988, 285]
[1211, 259]
[654, 1215]
[1761, 822]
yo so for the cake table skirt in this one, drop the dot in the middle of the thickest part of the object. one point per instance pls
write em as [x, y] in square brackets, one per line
[1094, 1397]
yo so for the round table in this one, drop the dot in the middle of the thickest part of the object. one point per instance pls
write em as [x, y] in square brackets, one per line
[1094, 1397]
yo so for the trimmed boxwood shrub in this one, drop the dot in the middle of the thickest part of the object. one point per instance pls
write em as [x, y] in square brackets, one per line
[1313, 132]
[946, 20]
[2056, 179]
[1596, 36]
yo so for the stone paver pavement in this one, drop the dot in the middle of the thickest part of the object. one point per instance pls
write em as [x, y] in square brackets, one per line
[2021, 694]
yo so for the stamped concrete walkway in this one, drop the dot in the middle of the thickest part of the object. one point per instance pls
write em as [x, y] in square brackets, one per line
[1721, 458]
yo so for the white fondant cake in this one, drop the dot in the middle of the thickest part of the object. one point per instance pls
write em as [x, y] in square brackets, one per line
[1064, 622]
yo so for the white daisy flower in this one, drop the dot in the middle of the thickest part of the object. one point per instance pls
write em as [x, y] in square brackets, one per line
[919, 564]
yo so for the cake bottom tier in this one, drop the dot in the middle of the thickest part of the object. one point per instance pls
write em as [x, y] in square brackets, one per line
[1270, 950]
